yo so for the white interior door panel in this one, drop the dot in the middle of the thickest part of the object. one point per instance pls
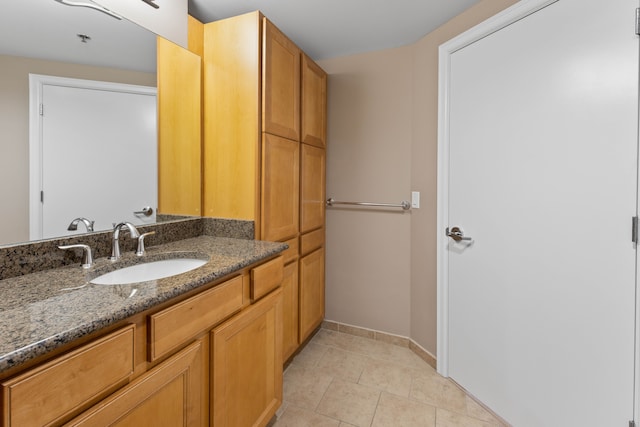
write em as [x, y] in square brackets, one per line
[542, 174]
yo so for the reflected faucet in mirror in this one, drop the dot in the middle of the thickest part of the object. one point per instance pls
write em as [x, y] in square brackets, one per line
[87, 223]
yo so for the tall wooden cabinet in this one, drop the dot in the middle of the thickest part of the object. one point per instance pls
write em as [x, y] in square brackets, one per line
[265, 116]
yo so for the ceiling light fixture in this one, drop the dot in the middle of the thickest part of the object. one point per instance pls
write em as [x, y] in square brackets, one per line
[151, 3]
[90, 6]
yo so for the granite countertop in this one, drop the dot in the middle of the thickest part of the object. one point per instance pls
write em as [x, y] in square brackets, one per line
[42, 311]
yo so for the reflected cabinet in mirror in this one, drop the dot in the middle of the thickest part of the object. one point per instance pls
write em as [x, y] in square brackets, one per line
[49, 39]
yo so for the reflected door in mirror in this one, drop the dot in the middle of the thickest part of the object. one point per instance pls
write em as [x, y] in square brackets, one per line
[98, 157]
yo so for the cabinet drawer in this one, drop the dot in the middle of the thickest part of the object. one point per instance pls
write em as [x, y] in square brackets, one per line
[311, 241]
[180, 323]
[292, 253]
[48, 393]
[266, 278]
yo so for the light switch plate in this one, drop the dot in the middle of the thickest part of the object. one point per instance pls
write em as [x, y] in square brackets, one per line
[415, 199]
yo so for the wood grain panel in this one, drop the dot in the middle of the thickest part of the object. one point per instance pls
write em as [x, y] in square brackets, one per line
[247, 365]
[314, 103]
[290, 310]
[311, 241]
[291, 254]
[232, 117]
[196, 36]
[311, 292]
[49, 393]
[179, 323]
[280, 188]
[266, 277]
[169, 395]
[312, 182]
[281, 84]
[179, 130]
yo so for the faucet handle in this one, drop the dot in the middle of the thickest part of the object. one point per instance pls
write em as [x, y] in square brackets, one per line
[140, 250]
[87, 256]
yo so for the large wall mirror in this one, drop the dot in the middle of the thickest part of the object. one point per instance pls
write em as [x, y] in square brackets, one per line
[47, 37]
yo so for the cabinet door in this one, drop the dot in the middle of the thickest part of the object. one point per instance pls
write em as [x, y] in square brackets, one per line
[280, 188]
[247, 365]
[290, 310]
[280, 84]
[314, 103]
[171, 394]
[311, 292]
[312, 177]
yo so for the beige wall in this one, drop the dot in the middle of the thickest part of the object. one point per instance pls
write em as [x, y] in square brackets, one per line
[383, 111]
[14, 125]
[370, 136]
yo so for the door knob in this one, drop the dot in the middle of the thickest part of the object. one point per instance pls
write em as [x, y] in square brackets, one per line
[457, 234]
[146, 211]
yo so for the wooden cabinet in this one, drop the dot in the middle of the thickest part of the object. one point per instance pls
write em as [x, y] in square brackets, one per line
[312, 186]
[173, 327]
[265, 109]
[247, 362]
[311, 292]
[281, 84]
[214, 356]
[314, 103]
[280, 188]
[290, 310]
[49, 393]
[266, 278]
[172, 394]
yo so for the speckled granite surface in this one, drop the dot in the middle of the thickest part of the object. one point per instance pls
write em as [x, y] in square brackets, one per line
[27, 258]
[44, 310]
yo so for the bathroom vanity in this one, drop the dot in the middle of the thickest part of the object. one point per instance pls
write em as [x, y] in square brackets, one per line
[200, 348]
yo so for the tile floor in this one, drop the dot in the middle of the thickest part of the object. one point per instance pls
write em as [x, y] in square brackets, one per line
[343, 380]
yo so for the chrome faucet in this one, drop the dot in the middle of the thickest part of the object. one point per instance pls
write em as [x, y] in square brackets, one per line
[87, 256]
[115, 244]
[87, 223]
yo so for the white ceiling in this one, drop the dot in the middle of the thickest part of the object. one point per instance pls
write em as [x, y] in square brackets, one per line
[322, 28]
[331, 28]
[48, 30]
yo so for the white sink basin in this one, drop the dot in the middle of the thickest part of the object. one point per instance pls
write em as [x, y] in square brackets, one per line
[148, 271]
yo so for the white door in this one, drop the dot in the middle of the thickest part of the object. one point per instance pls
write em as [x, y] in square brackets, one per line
[98, 155]
[538, 308]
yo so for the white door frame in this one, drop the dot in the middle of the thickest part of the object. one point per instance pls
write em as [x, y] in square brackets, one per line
[485, 28]
[36, 85]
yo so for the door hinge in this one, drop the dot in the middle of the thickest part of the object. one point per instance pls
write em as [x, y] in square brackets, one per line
[632, 424]
[42, 197]
[638, 21]
[634, 229]
[42, 109]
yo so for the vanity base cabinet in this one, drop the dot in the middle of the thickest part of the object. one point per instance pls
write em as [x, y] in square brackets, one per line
[210, 357]
[246, 369]
[172, 394]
